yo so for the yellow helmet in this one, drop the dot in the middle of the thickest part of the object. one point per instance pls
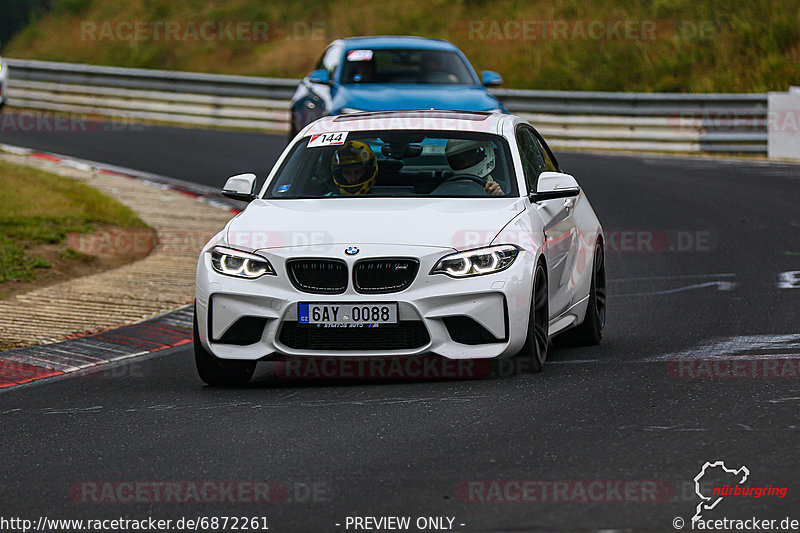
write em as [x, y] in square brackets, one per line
[354, 157]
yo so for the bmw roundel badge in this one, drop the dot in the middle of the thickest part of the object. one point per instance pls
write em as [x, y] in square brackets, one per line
[351, 251]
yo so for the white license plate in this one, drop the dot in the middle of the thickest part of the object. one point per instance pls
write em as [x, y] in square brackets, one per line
[347, 314]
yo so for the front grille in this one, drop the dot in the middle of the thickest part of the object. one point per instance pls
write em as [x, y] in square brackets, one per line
[382, 276]
[405, 335]
[318, 276]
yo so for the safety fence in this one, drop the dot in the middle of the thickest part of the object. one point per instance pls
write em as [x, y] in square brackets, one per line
[669, 122]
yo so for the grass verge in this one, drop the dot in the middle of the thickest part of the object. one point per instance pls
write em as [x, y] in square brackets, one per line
[38, 210]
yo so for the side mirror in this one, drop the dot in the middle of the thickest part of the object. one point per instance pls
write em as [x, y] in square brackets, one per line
[240, 187]
[554, 185]
[319, 76]
[489, 77]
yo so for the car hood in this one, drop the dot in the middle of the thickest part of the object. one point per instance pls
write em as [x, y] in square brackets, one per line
[392, 97]
[454, 223]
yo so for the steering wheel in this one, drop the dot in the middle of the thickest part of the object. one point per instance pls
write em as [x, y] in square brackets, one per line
[467, 177]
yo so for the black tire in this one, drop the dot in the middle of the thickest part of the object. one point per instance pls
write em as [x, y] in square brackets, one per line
[220, 372]
[590, 332]
[533, 353]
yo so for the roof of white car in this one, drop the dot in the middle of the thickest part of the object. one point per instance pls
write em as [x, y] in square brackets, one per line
[476, 121]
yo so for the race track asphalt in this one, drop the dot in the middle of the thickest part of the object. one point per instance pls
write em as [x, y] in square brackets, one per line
[702, 283]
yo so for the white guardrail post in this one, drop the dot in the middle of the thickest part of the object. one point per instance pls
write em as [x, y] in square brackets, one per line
[667, 122]
[784, 124]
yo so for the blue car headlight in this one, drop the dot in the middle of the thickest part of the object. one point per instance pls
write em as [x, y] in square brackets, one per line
[477, 262]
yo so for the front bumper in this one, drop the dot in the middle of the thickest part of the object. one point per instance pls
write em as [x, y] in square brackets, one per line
[498, 303]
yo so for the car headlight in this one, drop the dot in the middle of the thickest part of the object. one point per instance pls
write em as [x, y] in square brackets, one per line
[348, 110]
[240, 264]
[477, 262]
[495, 110]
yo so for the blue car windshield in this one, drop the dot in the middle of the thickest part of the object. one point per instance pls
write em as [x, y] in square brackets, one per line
[405, 66]
[402, 163]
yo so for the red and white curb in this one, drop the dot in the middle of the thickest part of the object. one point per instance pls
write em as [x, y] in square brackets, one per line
[23, 365]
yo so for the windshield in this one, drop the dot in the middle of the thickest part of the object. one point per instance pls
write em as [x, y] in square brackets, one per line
[405, 66]
[396, 164]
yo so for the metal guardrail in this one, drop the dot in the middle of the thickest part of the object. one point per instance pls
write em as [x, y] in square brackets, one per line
[568, 119]
[158, 95]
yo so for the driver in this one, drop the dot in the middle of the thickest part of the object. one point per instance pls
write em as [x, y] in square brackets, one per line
[354, 168]
[475, 158]
[433, 70]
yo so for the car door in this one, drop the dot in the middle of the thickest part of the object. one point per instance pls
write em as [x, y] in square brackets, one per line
[578, 271]
[559, 225]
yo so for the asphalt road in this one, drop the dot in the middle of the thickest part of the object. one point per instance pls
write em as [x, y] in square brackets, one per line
[696, 251]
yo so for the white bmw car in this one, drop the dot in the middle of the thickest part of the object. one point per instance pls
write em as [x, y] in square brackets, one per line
[402, 234]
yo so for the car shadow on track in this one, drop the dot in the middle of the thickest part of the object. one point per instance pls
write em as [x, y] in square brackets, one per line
[339, 371]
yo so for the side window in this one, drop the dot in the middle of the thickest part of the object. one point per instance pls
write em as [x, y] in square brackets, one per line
[533, 162]
[549, 159]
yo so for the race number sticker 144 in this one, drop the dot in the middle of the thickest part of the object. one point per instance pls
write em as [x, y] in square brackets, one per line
[327, 139]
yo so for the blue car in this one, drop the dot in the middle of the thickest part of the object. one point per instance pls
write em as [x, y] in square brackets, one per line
[391, 73]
